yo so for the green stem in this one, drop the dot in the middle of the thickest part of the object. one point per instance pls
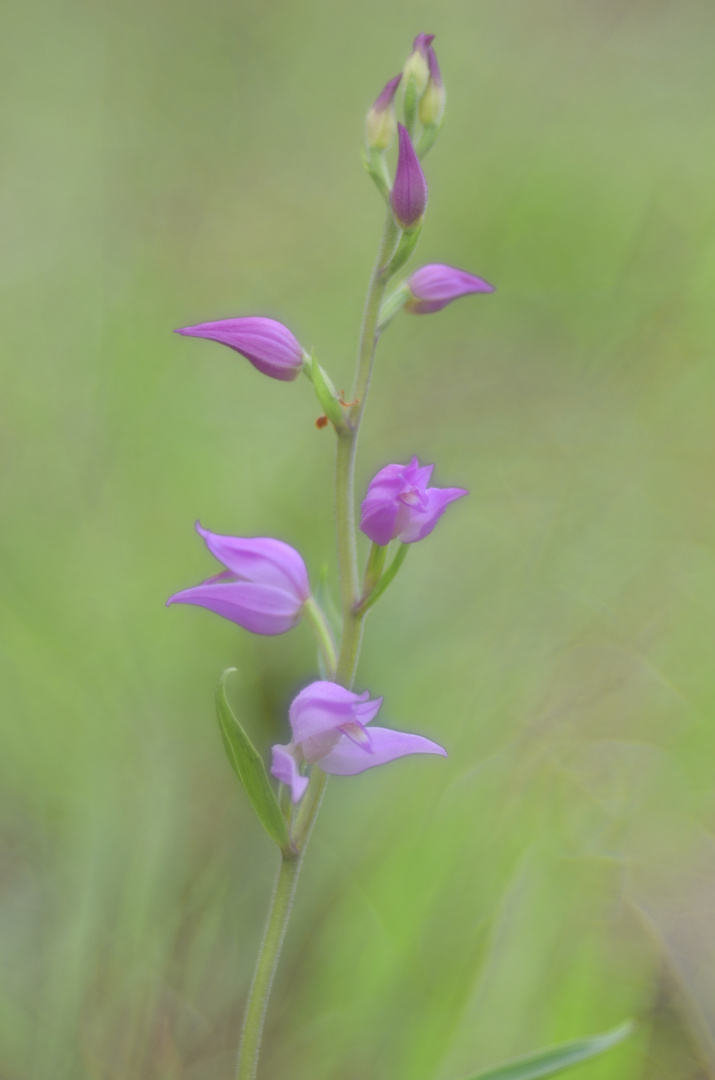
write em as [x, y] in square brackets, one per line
[279, 911]
[345, 464]
[319, 625]
[386, 579]
[278, 915]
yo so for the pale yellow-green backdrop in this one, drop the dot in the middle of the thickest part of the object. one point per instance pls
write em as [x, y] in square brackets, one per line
[172, 161]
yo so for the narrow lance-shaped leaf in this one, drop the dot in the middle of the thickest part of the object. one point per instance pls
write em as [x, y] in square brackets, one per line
[248, 765]
[555, 1059]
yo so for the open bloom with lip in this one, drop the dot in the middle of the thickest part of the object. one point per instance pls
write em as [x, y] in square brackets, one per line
[436, 285]
[381, 124]
[400, 506]
[263, 587]
[329, 727]
[409, 191]
[267, 343]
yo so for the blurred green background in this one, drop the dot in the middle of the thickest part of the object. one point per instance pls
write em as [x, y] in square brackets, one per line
[167, 163]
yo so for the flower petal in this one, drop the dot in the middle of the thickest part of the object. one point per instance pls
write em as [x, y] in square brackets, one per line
[422, 522]
[260, 559]
[262, 609]
[267, 343]
[347, 758]
[324, 706]
[285, 769]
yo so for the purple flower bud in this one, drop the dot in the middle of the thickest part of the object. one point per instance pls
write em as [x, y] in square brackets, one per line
[329, 729]
[399, 505]
[417, 66]
[263, 587]
[381, 124]
[434, 98]
[434, 73]
[436, 285]
[409, 192]
[422, 44]
[267, 343]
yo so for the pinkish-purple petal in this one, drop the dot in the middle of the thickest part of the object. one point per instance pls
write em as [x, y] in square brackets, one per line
[346, 758]
[267, 343]
[422, 43]
[386, 96]
[325, 706]
[284, 767]
[422, 520]
[262, 609]
[434, 73]
[409, 191]
[260, 559]
[437, 284]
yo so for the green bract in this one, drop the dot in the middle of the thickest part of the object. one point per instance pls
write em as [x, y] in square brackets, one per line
[248, 766]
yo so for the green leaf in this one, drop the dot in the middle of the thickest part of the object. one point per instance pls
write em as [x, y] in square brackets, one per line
[556, 1058]
[248, 766]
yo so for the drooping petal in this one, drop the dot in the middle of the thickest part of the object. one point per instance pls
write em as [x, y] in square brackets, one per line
[262, 609]
[285, 769]
[260, 559]
[267, 343]
[347, 758]
[421, 521]
[325, 706]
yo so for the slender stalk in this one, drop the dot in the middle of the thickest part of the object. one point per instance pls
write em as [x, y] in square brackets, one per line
[319, 625]
[278, 915]
[345, 463]
[279, 911]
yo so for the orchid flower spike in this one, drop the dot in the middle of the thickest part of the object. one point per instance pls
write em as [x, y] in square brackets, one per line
[381, 124]
[409, 191]
[399, 505]
[328, 725]
[434, 286]
[263, 587]
[266, 343]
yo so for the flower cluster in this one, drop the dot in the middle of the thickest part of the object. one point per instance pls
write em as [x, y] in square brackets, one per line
[263, 585]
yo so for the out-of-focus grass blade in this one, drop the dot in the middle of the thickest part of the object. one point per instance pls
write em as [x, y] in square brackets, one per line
[555, 1059]
[248, 765]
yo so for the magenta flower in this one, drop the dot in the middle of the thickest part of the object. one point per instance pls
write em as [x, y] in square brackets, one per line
[400, 506]
[409, 192]
[267, 343]
[329, 729]
[436, 285]
[381, 124]
[263, 587]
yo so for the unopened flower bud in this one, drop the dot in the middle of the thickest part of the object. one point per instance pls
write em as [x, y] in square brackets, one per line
[381, 125]
[432, 102]
[266, 343]
[417, 66]
[434, 286]
[409, 191]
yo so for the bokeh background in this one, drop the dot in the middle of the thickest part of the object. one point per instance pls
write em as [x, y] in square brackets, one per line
[171, 162]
